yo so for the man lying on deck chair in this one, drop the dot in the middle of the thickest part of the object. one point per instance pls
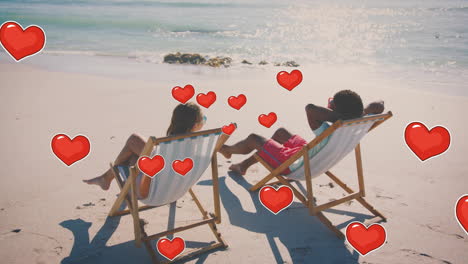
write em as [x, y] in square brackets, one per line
[345, 105]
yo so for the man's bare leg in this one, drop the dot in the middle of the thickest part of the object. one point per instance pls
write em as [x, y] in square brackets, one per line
[133, 147]
[252, 142]
[281, 135]
[241, 168]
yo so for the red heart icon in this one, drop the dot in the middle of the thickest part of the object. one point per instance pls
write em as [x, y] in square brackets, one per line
[237, 102]
[461, 211]
[424, 143]
[276, 200]
[289, 80]
[182, 167]
[183, 94]
[170, 249]
[151, 166]
[21, 43]
[363, 239]
[267, 120]
[229, 129]
[206, 100]
[70, 151]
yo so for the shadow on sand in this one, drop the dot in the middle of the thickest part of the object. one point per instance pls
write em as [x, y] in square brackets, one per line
[96, 251]
[304, 236]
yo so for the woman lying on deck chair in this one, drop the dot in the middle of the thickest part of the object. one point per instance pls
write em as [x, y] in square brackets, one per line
[345, 105]
[186, 118]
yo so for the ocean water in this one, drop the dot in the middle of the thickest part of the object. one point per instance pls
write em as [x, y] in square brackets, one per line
[407, 37]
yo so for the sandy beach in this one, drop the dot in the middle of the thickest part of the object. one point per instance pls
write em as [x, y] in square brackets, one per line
[48, 215]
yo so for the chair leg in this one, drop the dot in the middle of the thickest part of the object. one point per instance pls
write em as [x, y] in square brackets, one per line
[149, 248]
[360, 174]
[128, 194]
[134, 208]
[216, 201]
[118, 203]
[124, 189]
[308, 177]
[329, 224]
[190, 253]
[128, 211]
[262, 182]
[278, 182]
[204, 213]
[371, 208]
[308, 201]
[360, 199]
[296, 192]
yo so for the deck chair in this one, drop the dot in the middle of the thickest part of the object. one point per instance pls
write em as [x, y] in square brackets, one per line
[166, 187]
[345, 136]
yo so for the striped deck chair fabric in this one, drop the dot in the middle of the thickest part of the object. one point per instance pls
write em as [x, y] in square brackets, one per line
[341, 143]
[167, 185]
[344, 137]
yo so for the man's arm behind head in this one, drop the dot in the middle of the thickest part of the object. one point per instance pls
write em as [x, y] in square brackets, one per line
[374, 108]
[316, 115]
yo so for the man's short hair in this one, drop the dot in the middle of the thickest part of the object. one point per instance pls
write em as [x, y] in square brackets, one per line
[348, 104]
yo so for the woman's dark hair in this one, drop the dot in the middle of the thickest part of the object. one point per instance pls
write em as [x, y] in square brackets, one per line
[348, 104]
[184, 118]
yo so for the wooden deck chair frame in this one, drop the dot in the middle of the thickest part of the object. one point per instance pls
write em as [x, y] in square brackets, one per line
[128, 194]
[308, 200]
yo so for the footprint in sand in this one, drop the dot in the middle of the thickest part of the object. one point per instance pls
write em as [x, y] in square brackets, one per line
[427, 257]
[47, 249]
[384, 197]
[436, 228]
[85, 205]
[330, 184]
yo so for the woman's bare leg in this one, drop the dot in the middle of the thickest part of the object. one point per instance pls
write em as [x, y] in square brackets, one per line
[133, 147]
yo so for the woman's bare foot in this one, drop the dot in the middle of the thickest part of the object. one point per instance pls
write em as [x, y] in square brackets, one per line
[101, 181]
[225, 153]
[238, 168]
